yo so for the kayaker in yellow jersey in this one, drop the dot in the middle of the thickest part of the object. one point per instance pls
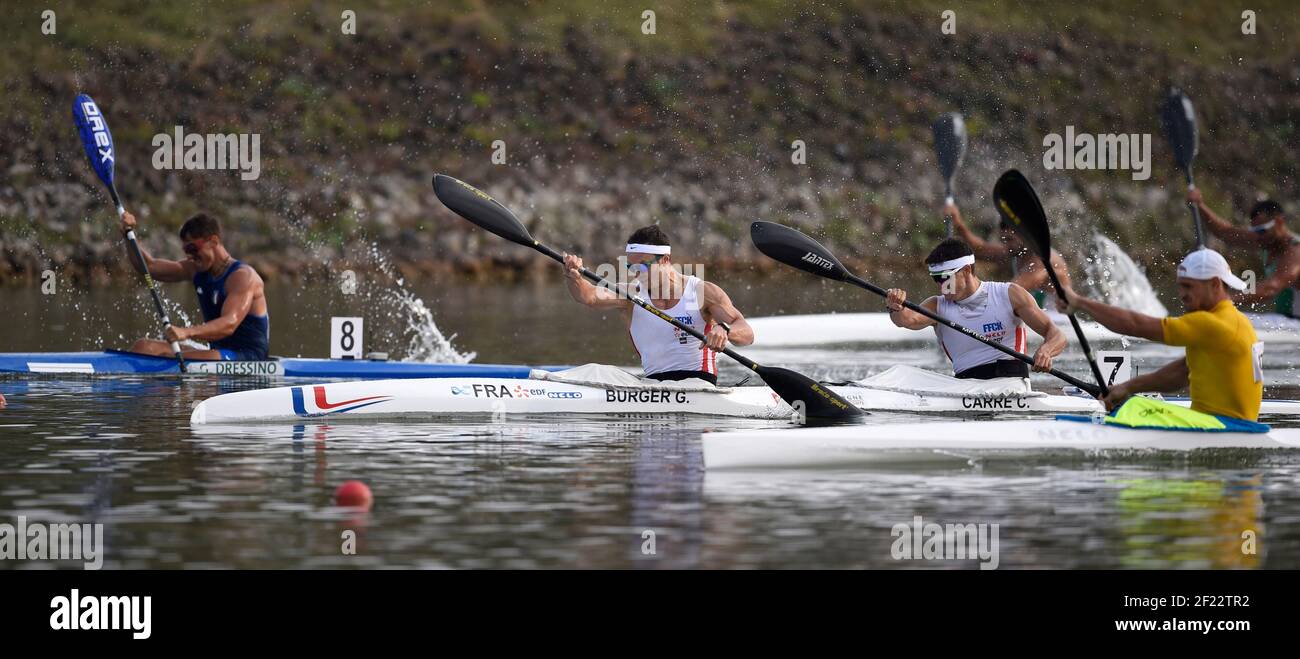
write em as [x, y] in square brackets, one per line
[1280, 251]
[1222, 366]
[1026, 267]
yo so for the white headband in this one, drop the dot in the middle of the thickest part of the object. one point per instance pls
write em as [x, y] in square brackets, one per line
[638, 248]
[948, 266]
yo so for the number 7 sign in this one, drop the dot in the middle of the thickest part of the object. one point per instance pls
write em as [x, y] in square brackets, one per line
[1116, 366]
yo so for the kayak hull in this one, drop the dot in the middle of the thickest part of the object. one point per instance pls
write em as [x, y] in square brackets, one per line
[114, 362]
[454, 397]
[897, 443]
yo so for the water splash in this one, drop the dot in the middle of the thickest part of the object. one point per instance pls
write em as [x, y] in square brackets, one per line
[407, 319]
[424, 341]
[1116, 279]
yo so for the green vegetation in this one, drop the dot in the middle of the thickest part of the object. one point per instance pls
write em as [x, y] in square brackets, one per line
[711, 101]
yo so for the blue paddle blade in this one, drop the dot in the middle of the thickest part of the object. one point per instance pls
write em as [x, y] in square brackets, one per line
[95, 137]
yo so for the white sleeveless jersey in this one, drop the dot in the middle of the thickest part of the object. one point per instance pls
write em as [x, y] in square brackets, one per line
[989, 313]
[663, 347]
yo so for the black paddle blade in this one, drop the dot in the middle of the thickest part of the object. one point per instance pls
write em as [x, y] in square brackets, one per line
[478, 207]
[1018, 204]
[949, 143]
[810, 398]
[796, 250]
[1179, 119]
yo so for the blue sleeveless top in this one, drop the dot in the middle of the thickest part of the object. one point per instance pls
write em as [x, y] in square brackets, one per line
[253, 335]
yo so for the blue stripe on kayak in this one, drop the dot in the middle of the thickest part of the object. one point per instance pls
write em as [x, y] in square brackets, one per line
[298, 407]
[118, 362]
[1229, 425]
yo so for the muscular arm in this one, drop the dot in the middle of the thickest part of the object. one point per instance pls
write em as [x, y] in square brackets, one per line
[1285, 276]
[1025, 307]
[161, 269]
[983, 249]
[718, 305]
[909, 319]
[589, 294]
[1226, 232]
[1122, 321]
[1033, 275]
[1169, 378]
[242, 289]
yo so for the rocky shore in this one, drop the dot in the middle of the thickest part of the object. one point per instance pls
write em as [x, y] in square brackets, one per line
[604, 131]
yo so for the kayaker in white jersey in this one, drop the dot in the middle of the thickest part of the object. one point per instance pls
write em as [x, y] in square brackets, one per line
[666, 352]
[998, 311]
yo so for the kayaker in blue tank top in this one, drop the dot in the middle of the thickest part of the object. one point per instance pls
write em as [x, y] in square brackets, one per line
[236, 324]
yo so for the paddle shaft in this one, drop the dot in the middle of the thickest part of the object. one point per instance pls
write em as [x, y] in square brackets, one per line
[1074, 322]
[149, 283]
[1196, 211]
[858, 281]
[948, 201]
[600, 281]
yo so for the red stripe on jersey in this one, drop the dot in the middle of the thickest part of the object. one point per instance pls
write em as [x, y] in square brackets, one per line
[708, 360]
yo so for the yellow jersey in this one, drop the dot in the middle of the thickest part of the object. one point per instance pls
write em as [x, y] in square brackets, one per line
[1224, 360]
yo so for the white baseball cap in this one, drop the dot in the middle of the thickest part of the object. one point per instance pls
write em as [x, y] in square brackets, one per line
[1206, 263]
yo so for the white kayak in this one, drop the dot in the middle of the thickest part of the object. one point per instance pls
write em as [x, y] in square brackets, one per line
[606, 390]
[957, 441]
[832, 328]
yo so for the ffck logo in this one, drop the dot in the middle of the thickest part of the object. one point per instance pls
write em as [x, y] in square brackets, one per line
[818, 260]
[103, 143]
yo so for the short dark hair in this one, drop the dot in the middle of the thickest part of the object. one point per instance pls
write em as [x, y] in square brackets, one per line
[200, 226]
[1267, 207]
[651, 235]
[949, 249]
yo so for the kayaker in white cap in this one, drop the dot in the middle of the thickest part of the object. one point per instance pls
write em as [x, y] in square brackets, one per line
[998, 311]
[667, 353]
[1223, 362]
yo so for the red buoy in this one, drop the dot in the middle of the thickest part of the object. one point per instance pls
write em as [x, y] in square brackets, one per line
[354, 494]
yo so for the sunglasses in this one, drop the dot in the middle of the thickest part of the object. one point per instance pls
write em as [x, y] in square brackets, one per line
[1262, 228]
[643, 267]
[192, 248]
[943, 277]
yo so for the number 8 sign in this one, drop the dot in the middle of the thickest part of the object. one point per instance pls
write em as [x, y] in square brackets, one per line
[346, 337]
